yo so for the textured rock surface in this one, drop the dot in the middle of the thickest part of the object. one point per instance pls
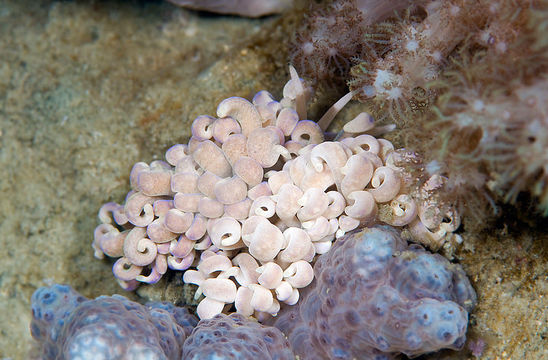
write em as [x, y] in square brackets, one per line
[374, 297]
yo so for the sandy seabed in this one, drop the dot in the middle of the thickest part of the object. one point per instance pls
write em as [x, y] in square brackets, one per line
[88, 88]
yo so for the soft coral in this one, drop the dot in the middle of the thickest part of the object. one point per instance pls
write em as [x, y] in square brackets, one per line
[332, 35]
[326, 42]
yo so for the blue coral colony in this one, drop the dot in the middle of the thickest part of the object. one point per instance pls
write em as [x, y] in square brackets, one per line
[374, 297]
[298, 243]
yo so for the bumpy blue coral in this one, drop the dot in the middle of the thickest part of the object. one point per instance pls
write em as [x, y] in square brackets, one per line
[69, 326]
[50, 308]
[236, 337]
[374, 297]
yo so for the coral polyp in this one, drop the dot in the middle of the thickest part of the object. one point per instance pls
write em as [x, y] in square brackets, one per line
[332, 36]
[327, 41]
[464, 82]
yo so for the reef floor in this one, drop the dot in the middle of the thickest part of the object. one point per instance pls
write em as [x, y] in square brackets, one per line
[89, 88]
